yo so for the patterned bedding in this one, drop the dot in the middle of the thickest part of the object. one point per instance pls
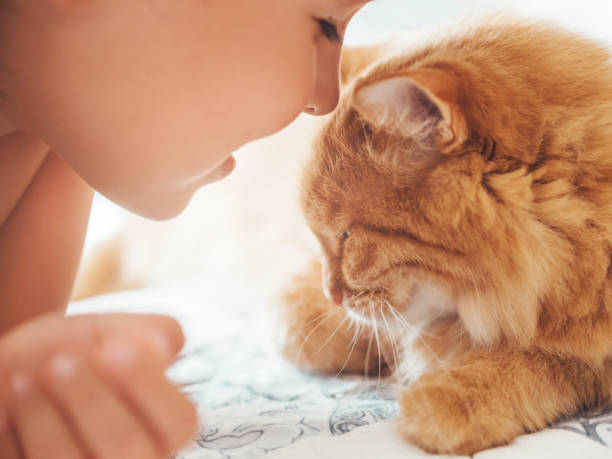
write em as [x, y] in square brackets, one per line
[254, 404]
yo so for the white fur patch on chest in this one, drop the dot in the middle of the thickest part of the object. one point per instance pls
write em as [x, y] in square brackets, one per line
[427, 303]
[414, 363]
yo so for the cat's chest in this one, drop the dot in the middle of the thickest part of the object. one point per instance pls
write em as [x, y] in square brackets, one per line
[422, 332]
[414, 361]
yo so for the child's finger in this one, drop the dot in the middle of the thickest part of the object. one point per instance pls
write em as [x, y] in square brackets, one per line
[169, 413]
[41, 430]
[30, 344]
[120, 326]
[100, 419]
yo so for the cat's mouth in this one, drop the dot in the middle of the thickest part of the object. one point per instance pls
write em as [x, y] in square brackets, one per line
[372, 307]
[412, 303]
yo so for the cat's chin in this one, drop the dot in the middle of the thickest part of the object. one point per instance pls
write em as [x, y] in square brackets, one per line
[422, 302]
[373, 310]
[358, 315]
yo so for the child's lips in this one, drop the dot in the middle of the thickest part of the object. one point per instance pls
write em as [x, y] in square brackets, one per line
[219, 173]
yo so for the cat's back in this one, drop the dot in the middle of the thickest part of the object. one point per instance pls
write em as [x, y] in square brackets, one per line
[516, 66]
[543, 91]
[541, 53]
[540, 93]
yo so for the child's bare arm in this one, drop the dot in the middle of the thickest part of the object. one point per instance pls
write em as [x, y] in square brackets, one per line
[41, 239]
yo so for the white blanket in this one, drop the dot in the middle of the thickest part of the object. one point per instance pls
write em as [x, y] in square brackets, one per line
[253, 404]
[381, 441]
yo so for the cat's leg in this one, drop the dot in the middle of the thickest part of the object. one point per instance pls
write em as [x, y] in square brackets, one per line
[488, 398]
[319, 336]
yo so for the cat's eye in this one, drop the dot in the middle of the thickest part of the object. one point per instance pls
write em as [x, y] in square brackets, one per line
[330, 30]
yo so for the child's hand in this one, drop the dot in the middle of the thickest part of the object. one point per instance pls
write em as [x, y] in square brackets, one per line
[92, 386]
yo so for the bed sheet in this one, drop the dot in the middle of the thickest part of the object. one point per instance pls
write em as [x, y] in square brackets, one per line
[253, 404]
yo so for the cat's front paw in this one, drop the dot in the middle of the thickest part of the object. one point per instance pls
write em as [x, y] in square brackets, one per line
[444, 415]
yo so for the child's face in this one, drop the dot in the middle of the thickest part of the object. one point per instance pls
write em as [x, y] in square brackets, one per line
[147, 99]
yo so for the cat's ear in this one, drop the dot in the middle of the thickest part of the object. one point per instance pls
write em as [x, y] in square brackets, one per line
[422, 105]
[355, 59]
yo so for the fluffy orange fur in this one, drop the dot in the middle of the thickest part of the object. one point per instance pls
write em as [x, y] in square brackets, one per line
[462, 197]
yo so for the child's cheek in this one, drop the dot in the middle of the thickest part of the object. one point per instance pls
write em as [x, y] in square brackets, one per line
[289, 85]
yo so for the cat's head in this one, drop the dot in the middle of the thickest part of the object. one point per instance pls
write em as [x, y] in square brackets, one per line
[447, 181]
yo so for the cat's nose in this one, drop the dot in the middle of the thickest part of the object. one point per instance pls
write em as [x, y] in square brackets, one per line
[333, 287]
[337, 298]
[333, 293]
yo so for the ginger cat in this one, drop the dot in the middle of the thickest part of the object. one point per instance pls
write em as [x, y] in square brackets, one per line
[462, 198]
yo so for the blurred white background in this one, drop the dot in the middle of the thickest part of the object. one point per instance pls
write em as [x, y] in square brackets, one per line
[382, 18]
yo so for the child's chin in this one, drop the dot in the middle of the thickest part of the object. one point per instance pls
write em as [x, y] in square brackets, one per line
[165, 208]
[218, 173]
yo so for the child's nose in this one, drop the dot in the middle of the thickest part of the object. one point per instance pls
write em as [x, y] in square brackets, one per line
[327, 81]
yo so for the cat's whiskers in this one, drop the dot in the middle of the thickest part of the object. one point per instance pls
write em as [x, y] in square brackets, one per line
[331, 336]
[324, 317]
[356, 333]
[402, 320]
[344, 304]
[394, 349]
[373, 316]
[352, 343]
[321, 316]
[417, 333]
[366, 371]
